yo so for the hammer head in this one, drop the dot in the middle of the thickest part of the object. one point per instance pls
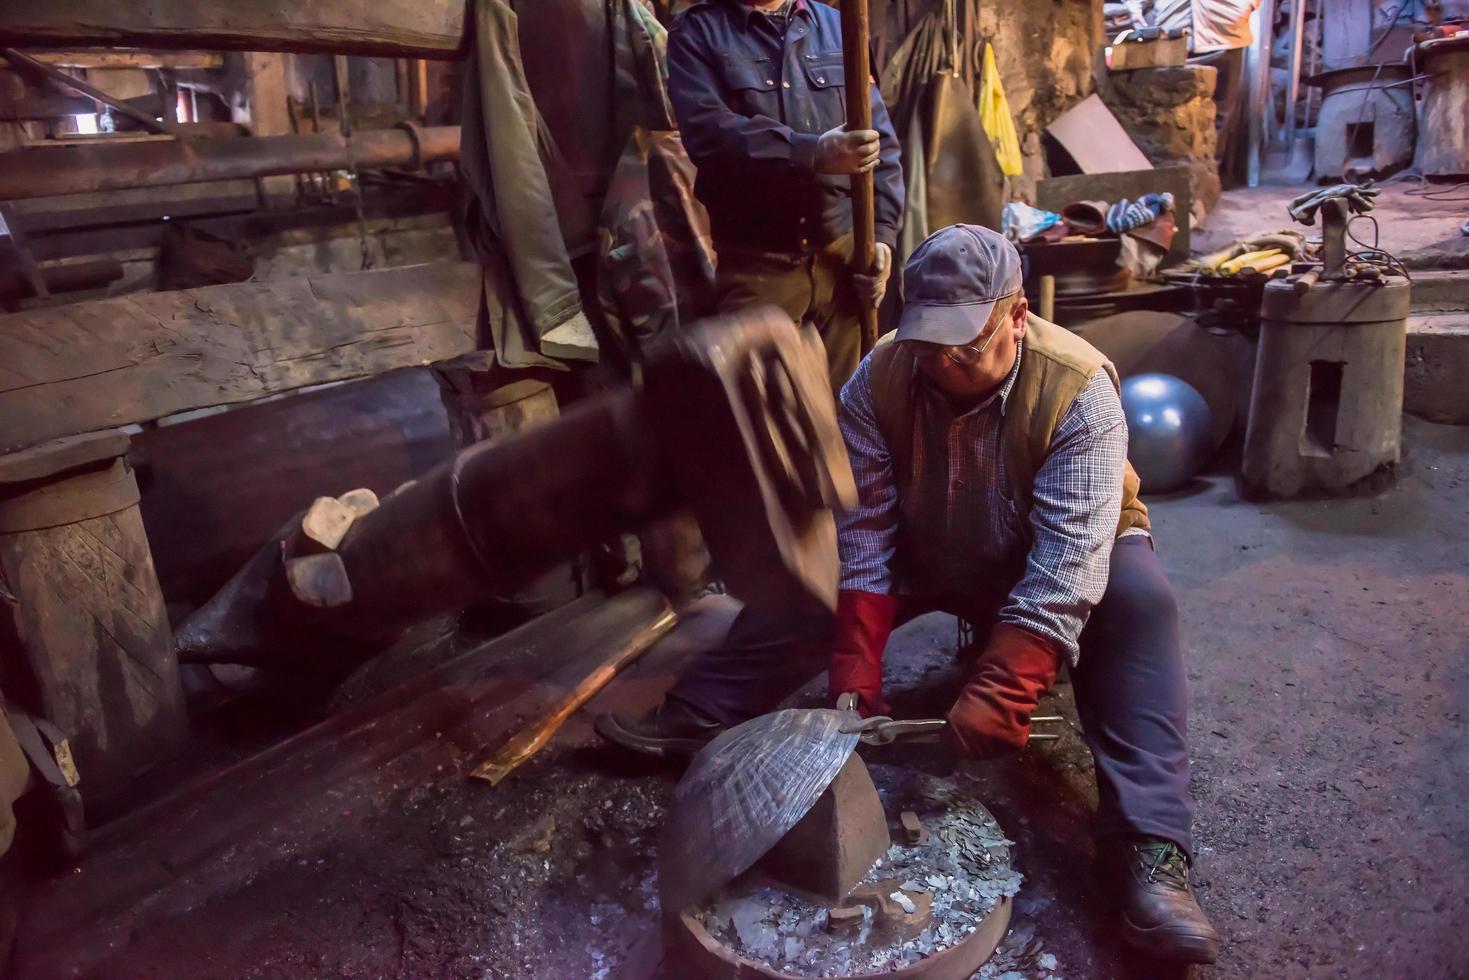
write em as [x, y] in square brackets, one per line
[743, 412]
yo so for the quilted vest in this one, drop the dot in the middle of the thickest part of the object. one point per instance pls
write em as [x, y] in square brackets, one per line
[1055, 367]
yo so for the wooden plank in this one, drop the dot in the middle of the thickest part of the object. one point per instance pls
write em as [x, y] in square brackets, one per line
[111, 362]
[320, 788]
[427, 28]
[115, 58]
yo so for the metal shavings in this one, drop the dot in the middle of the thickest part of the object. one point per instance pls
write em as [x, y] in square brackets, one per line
[965, 864]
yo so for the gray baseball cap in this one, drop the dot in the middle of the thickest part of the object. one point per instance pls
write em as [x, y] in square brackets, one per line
[952, 282]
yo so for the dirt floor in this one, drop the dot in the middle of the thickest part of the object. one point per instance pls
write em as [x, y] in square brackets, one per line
[1328, 648]
[1418, 222]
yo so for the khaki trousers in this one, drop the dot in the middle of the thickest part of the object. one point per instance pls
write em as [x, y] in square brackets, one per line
[815, 289]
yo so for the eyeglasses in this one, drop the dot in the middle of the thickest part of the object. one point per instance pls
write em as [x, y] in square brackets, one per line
[964, 355]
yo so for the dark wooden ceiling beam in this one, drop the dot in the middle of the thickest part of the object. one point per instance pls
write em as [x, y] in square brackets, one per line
[404, 28]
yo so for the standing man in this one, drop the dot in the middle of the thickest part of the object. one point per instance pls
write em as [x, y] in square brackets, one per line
[990, 452]
[759, 92]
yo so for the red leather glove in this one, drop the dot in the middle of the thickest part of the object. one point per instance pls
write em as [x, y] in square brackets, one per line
[992, 715]
[864, 622]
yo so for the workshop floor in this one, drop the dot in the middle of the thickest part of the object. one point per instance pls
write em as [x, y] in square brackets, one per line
[1418, 222]
[1328, 648]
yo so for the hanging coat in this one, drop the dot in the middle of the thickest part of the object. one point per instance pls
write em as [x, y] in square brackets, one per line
[530, 302]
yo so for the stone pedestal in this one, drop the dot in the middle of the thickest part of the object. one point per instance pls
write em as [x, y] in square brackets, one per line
[1327, 406]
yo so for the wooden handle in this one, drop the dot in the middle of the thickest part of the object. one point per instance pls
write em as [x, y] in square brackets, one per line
[858, 71]
[534, 736]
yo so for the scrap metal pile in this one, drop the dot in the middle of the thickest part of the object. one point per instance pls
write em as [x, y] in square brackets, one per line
[921, 898]
[778, 859]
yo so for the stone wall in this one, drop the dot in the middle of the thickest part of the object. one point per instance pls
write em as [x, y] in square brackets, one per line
[1045, 50]
[1169, 113]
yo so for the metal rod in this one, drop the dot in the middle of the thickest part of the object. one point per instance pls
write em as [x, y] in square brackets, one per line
[855, 61]
[44, 171]
[1293, 86]
[534, 736]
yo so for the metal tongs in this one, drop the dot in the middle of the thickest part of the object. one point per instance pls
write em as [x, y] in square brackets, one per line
[884, 730]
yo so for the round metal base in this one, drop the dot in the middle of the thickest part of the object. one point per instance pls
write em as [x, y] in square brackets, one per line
[953, 864]
[707, 958]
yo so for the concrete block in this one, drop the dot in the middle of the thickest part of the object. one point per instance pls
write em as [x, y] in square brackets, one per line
[1436, 380]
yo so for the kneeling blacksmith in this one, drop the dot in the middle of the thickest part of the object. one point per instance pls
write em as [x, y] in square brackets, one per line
[989, 448]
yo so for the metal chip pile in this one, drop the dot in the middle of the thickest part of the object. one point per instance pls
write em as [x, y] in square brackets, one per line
[965, 864]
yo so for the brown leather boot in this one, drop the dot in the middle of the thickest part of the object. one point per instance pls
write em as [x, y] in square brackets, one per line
[1148, 879]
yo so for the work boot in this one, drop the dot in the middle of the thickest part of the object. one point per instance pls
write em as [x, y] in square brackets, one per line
[674, 730]
[1148, 878]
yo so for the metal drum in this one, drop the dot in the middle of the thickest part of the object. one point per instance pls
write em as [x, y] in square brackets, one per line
[1367, 121]
[1443, 149]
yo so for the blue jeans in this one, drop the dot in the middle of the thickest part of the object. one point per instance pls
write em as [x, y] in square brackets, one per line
[1131, 689]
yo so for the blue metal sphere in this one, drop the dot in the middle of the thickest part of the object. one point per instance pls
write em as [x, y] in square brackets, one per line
[1169, 429]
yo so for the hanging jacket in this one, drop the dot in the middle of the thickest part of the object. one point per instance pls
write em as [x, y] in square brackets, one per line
[655, 257]
[530, 303]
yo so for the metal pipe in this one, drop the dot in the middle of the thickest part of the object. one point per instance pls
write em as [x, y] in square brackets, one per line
[1258, 73]
[83, 168]
[1293, 85]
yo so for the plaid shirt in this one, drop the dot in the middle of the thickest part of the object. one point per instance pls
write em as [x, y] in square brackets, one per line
[1061, 557]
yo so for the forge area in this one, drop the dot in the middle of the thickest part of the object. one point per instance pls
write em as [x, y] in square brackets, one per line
[1327, 645]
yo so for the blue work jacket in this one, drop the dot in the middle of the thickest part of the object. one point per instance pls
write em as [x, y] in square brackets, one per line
[751, 104]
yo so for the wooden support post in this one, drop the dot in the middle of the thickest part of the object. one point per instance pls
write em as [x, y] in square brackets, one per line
[403, 86]
[82, 597]
[344, 93]
[270, 115]
[420, 88]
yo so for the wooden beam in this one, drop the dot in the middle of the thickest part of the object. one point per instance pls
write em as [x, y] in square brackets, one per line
[423, 28]
[105, 363]
[270, 115]
[60, 79]
[129, 58]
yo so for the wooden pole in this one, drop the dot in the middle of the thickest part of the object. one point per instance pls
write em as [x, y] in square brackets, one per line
[534, 736]
[855, 44]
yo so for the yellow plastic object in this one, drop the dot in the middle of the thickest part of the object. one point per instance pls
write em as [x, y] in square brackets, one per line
[1239, 262]
[1270, 262]
[994, 116]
